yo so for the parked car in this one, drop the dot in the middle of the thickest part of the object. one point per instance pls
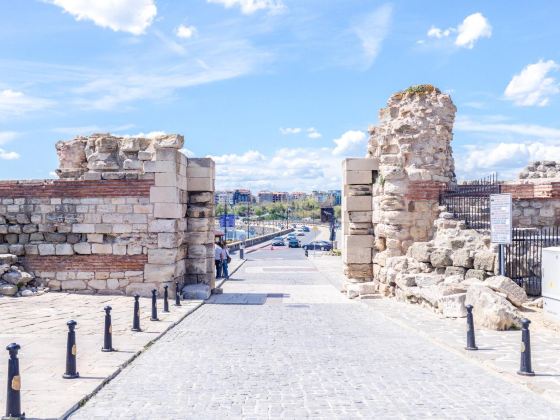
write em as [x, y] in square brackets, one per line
[290, 236]
[306, 229]
[300, 233]
[278, 241]
[294, 243]
[318, 245]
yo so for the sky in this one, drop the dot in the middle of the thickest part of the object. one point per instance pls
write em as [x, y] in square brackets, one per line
[278, 92]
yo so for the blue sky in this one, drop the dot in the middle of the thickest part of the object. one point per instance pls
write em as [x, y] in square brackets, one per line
[277, 91]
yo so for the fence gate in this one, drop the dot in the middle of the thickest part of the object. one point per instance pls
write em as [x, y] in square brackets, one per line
[524, 256]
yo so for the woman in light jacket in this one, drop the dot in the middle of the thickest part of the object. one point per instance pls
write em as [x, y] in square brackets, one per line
[226, 259]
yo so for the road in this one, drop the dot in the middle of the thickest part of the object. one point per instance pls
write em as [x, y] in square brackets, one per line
[282, 342]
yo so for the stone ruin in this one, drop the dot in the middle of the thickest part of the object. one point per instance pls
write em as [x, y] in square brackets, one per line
[399, 242]
[129, 215]
[546, 169]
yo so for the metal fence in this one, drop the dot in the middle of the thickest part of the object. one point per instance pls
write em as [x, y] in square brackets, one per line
[471, 201]
[524, 256]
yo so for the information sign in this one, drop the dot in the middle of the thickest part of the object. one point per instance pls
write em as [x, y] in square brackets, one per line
[500, 218]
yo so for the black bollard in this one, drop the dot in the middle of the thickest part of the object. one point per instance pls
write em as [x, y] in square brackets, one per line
[177, 295]
[165, 301]
[13, 399]
[525, 367]
[154, 307]
[108, 335]
[471, 343]
[71, 352]
[136, 316]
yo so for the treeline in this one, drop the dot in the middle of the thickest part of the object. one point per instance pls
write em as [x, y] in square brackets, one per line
[300, 209]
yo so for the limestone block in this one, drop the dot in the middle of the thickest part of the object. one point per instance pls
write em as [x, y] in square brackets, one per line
[112, 284]
[196, 265]
[95, 238]
[484, 260]
[503, 284]
[491, 309]
[199, 172]
[159, 273]
[17, 249]
[145, 155]
[175, 141]
[101, 249]
[200, 184]
[360, 216]
[358, 255]
[168, 211]
[441, 257]
[357, 177]
[97, 284]
[162, 225]
[168, 240]
[166, 153]
[157, 167]
[197, 251]
[462, 258]
[31, 250]
[201, 197]
[359, 271]
[427, 279]
[196, 291]
[476, 274]
[130, 164]
[361, 164]
[73, 285]
[142, 289]
[420, 251]
[197, 225]
[166, 179]
[455, 271]
[356, 203]
[164, 195]
[358, 241]
[64, 249]
[453, 306]
[162, 256]
[8, 289]
[46, 249]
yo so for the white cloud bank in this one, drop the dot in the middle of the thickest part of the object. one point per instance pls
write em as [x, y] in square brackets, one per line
[349, 141]
[133, 16]
[311, 132]
[533, 86]
[248, 7]
[473, 27]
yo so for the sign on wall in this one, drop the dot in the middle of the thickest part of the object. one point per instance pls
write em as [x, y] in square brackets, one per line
[327, 214]
[500, 218]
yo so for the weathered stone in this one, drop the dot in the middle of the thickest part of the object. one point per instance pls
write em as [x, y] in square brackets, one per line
[462, 258]
[491, 309]
[503, 284]
[455, 271]
[453, 306]
[17, 277]
[8, 289]
[8, 259]
[196, 291]
[484, 260]
[441, 258]
[477, 274]
[420, 251]
[427, 279]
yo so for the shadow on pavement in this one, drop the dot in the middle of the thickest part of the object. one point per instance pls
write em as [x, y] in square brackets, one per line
[238, 299]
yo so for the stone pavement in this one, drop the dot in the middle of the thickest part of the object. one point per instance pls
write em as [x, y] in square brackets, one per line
[499, 351]
[38, 324]
[282, 342]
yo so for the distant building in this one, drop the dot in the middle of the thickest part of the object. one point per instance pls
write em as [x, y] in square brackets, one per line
[241, 196]
[221, 197]
[280, 197]
[298, 195]
[335, 197]
[265, 197]
[320, 196]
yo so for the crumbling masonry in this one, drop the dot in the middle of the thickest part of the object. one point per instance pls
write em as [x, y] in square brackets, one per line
[128, 215]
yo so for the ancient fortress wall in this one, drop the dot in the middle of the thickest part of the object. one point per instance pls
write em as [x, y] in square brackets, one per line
[128, 215]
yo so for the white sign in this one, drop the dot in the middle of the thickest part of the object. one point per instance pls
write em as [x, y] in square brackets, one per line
[500, 218]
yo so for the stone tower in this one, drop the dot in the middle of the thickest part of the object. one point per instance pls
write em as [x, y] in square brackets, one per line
[413, 147]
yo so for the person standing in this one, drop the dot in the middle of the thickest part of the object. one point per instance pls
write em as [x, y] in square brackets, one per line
[226, 259]
[218, 259]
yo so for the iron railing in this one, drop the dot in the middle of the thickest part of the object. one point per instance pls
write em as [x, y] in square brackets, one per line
[524, 256]
[470, 201]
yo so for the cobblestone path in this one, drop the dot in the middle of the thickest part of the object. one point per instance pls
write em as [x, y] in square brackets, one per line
[281, 342]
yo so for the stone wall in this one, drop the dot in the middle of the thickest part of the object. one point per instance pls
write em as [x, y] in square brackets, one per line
[541, 169]
[129, 215]
[535, 205]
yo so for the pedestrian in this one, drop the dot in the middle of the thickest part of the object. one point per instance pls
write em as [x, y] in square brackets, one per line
[218, 259]
[226, 259]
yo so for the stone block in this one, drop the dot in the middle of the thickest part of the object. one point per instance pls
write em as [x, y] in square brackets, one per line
[196, 266]
[358, 255]
[201, 197]
[357, 203]
[64, 249]
[358, 241]
[95, 238]
[453, 306]
[200, 184]
[462, 258]
[163, 225]
[357, 177]
[503, 284]
[420, 251]
[101, 249]
[491, 309]
[455, 271]
[168, 211]
[166, 179]
[82, 248]
[97, 284]
[46, 249]
[162, 256]
[198, 225]
[441, 257]
[157, 167]
[199, 172]
[196, 291]
[361, 164]
[159, 273]
[73, 285]
[142, 289]
[168, 240]
[476, 274]
[164, 195]
[484, 260]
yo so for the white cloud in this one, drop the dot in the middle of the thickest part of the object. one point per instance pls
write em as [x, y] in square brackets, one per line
[372, 31]
[7, 136]
[252, 156]
[133, 16]
[148, 135]
[348, 141]
[290, 130]
[533, 86]
[5, 155]
[13, 103]
[249, 7]
[508, 159]
[185, 32]
[525, 130]
[473, 27]
[312, 133]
